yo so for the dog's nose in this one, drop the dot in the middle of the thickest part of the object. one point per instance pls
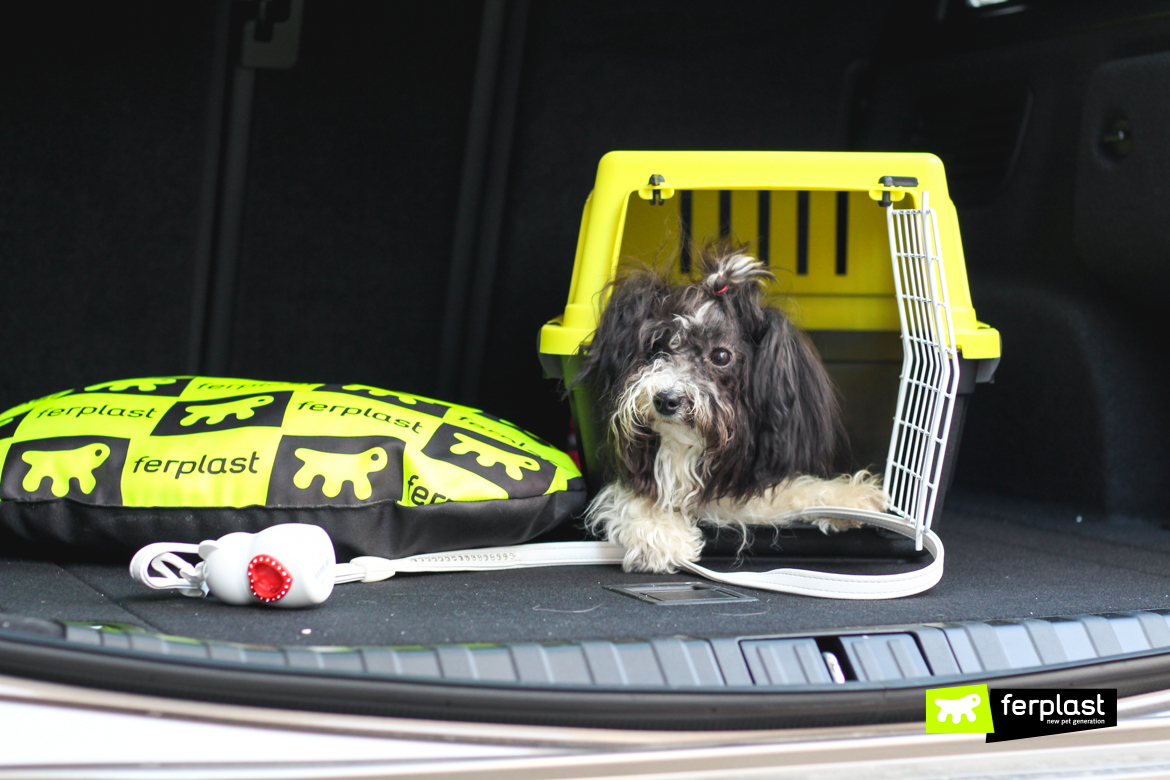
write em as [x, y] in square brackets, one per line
[667, 402]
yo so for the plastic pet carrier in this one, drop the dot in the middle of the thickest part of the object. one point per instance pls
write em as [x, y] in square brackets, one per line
[868, 261]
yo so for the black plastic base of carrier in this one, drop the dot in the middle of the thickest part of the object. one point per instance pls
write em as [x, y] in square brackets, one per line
[79, 531]
[805, 544]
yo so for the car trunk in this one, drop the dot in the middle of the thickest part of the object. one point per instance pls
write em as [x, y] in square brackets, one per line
[392, 196]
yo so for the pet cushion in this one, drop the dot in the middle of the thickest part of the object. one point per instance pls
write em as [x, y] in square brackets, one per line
[111, 467]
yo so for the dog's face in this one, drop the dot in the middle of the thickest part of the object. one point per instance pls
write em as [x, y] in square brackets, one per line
[707, 392]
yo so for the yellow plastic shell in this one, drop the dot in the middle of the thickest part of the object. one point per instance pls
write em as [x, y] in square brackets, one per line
[620, 221]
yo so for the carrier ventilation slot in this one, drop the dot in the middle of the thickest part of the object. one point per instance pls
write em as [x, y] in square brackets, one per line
[842, 233]
[724, 213]
[764, 226]
[685, 220]
[802, 233]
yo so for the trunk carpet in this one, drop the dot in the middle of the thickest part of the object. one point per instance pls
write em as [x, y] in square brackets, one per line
[1001, 562]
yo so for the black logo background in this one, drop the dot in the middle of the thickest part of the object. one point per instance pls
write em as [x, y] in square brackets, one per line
[107, 491]
[173, 390]
[270, 415]
[8, 429]
[386, 484]
[426, 407]
[533, 483]
[1011, 726]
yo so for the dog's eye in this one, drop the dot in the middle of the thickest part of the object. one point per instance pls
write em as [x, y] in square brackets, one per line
[720, 357]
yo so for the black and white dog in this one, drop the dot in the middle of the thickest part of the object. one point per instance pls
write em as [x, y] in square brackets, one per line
[719, 412]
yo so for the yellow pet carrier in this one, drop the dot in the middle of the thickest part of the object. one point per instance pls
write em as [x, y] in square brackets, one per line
[868, 261]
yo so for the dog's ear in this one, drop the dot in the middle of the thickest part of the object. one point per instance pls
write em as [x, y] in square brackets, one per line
[622, 334]
[793, 403]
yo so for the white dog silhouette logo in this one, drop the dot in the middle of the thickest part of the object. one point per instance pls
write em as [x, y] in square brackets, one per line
[957, 709]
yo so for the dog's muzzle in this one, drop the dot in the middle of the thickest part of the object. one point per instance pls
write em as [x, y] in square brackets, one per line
[667, 402]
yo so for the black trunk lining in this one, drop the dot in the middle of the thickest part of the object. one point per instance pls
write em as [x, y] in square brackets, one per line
[1032, 566]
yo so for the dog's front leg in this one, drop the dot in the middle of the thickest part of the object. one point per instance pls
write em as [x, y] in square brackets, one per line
[656, 539]
[859, 491]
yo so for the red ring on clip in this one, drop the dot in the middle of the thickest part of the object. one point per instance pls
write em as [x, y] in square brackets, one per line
[268, 578]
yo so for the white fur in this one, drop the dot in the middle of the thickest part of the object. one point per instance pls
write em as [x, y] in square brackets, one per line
[738, 269]
[659, 536]
[656, 539]
[857, 491]
[636, 404]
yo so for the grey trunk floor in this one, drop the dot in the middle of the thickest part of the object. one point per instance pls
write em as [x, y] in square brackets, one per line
[1000, 563]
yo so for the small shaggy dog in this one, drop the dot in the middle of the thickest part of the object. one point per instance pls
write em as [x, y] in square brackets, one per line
[719, 412]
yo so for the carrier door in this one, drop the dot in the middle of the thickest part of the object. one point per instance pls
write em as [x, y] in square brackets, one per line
[930, 366]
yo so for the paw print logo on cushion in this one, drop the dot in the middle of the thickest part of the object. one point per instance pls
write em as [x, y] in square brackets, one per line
[87, 469]
[336, 471]
[337, 468]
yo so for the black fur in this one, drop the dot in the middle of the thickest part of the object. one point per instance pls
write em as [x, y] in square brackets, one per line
[781, 417]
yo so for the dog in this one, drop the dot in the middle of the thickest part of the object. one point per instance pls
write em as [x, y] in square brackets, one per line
[719, 412]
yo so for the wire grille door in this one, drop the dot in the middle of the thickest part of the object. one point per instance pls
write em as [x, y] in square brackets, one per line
[930, 366]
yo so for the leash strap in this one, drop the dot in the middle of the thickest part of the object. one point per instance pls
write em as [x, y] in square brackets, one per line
[159, 566]
[804, 582]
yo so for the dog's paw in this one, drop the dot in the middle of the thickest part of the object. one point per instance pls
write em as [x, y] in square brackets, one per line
[864, 491]
[649, 561]
[657, 540]
[657, 543]
[832, 525]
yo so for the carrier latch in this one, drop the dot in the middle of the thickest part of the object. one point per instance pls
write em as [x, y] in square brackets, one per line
[657, 191]
[887, 197]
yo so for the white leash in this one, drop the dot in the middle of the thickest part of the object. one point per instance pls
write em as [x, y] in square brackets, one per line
[804, 582]
[300, 557]
[159, 566]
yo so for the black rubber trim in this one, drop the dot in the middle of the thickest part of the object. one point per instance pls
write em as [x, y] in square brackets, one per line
[860, 703]
[475, 241]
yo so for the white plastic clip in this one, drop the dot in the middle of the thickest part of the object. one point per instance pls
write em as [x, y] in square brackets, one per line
[290, 565]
